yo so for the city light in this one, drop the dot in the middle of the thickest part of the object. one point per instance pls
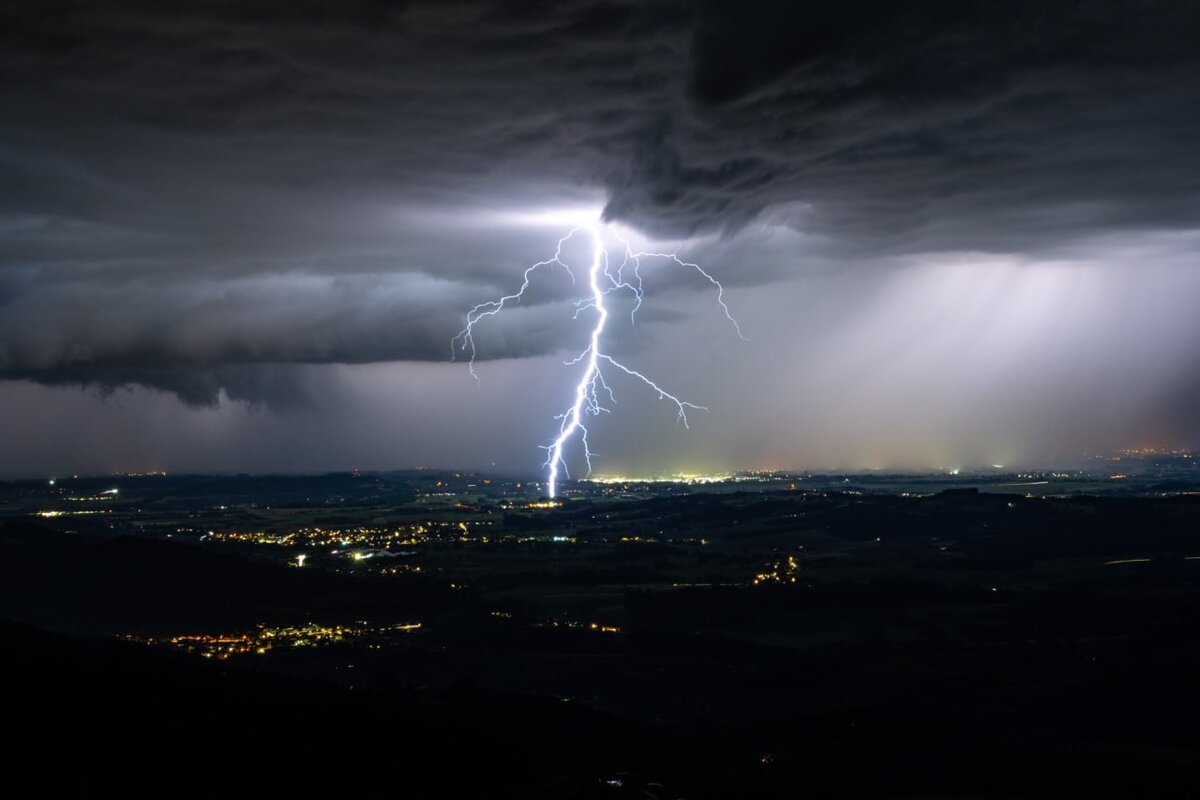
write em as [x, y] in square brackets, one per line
[264, 638]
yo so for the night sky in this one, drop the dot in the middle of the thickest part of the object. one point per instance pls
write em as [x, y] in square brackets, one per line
[239, 236]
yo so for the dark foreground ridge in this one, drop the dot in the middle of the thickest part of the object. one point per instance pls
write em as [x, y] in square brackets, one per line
[99, 716]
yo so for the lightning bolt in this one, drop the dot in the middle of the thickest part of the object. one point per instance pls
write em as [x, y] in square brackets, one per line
[603, 280]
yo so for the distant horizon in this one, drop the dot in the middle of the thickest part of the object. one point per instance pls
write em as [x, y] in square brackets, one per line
[600, 476]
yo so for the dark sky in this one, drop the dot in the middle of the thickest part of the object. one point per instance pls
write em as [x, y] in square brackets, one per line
[240, 235]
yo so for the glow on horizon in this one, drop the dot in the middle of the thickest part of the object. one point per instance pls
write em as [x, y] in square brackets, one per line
[679, 477]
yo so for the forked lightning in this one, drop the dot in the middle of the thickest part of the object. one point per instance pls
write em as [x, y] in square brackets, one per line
[602, 281]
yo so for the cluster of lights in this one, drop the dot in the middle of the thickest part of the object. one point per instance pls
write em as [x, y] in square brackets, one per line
[50, 514]
[1135, 452]
[401, 569]
[596, 627]
[781, 572]
[403, 536]
[263, 639]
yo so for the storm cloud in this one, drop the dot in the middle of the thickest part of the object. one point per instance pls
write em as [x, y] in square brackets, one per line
[211, 198]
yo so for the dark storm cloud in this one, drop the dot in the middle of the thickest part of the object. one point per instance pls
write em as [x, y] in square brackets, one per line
[934, 125]
[195, 190]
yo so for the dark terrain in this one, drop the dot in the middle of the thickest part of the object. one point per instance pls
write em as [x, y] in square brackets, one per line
[773, 643]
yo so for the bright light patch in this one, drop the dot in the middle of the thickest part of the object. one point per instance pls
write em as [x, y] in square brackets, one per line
[556, 217]
[571, 217]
